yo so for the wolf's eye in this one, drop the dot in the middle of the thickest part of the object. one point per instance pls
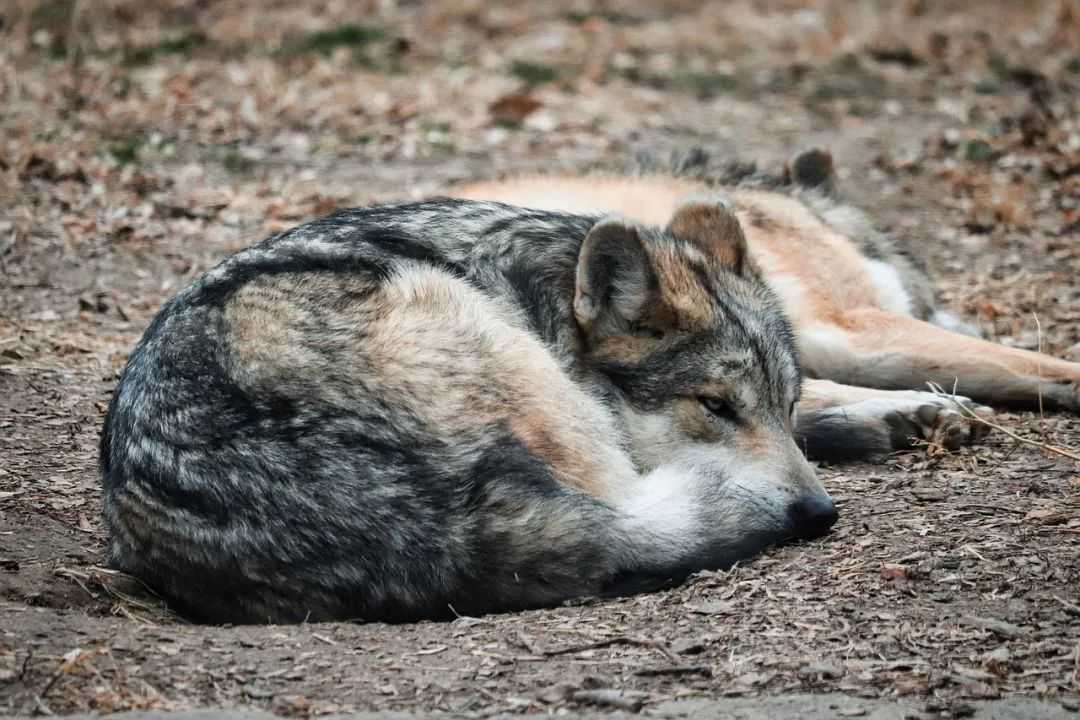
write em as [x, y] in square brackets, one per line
[719, 408]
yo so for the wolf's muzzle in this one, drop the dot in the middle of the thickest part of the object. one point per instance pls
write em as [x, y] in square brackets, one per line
[812, 515]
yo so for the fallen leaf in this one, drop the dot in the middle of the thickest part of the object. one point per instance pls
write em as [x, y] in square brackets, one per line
[1047, 517]
[890, 571]
[512, 109]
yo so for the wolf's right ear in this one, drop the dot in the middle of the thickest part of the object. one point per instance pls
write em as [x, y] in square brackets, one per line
[614, 278]
[710, 223]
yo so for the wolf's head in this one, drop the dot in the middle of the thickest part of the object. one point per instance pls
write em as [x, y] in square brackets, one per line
[707, 374]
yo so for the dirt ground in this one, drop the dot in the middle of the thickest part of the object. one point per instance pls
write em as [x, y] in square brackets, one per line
[142, 141]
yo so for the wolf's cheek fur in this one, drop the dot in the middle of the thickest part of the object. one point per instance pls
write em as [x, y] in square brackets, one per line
[752, 472]
[623, 348]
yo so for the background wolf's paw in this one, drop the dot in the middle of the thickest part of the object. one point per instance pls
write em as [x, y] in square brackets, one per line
[948, 422]
[1071, 393]
[1059, 393]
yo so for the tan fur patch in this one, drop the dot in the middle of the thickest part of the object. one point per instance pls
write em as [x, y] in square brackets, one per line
[684, 304]
[427, 344]
[270, 321]
[713, 229]
[624, 348]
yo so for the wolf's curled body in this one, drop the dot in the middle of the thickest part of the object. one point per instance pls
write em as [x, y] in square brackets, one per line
[456, 406]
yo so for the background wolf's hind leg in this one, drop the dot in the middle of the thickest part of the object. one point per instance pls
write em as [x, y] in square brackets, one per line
[843, 422]
[874, 348]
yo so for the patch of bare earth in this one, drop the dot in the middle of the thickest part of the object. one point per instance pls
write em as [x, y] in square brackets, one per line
[140, 142]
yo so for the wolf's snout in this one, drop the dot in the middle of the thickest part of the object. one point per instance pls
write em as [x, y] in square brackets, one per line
[812, 515]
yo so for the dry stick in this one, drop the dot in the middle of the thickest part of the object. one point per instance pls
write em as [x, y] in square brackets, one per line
[66, 666]
[1069, 607]
[26, 663]
[521, 639]
[621, 640]
[41, 707]
[119, 608]
[970, 414]
[622, 699]
[704, 670]
[1038, 374]
[80, 578]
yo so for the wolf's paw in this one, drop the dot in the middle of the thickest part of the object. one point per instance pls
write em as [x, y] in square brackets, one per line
[1063, 393]
[947, 422]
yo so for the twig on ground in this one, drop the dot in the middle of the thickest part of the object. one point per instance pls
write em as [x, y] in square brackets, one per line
[1069, 607]
[1038, 373]
[82, 579]
[622, 699]
[525, 642]
[621, 640]
[67, 664]
[971, 415]
[703, 670]
[991, 508]
[41, 707]
[119, 608]
[26, 663]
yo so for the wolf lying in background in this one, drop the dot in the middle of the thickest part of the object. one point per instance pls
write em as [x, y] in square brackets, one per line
[456, 406]
[868, 333]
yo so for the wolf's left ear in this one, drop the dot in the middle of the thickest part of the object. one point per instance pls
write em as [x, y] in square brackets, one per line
[709, 223]
[614, 278]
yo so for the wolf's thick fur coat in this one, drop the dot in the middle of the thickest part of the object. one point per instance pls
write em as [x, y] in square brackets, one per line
[456, 406]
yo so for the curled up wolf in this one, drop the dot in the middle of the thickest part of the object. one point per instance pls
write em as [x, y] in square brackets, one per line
[515, 398]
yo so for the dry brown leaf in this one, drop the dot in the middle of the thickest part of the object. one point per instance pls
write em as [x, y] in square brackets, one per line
[512, 109]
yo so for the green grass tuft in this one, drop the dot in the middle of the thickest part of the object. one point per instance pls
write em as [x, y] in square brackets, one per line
[533, 73]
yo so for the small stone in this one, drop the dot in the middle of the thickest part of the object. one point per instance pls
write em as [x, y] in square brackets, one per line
[711, 607]
[560, 692]
[821, 670]
[994, 625]
[929, 495]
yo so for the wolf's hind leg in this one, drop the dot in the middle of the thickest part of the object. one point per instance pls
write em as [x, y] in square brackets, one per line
[875, 348]
[844, 422]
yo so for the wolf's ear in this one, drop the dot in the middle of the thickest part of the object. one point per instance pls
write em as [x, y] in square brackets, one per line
[709, 223]
[812, 169]
[614, 278]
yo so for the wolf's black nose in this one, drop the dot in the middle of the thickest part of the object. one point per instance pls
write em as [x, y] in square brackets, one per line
[812, 515]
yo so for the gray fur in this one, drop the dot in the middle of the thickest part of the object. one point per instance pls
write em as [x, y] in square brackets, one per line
[296, 437]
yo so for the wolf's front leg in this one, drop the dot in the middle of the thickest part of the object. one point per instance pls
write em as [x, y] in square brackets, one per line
[839, 422]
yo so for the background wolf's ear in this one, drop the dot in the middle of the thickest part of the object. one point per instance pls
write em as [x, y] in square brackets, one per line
[812, 169]
[614, 278]
[709, 223]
